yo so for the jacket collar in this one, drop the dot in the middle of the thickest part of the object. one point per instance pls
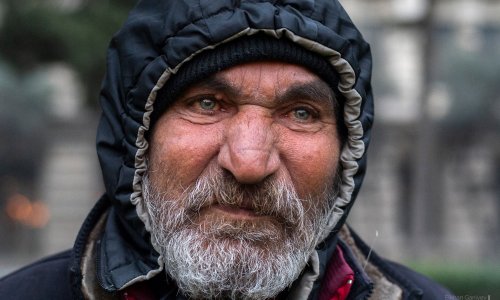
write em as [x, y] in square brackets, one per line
[377, 278]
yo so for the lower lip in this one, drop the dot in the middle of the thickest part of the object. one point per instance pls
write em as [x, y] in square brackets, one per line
[235, 211]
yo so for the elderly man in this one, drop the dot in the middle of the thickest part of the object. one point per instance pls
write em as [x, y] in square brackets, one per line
[233, 144]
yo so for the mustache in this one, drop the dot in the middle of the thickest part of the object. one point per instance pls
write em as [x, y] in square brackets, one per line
[272, 197]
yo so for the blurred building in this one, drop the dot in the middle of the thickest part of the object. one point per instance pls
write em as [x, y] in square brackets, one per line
[42, 213]
[433, 184]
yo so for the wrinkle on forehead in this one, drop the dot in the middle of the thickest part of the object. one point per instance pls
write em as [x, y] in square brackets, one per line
[255, 83]
[270, 74]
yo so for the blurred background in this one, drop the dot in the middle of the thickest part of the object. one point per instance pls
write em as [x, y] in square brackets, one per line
[431, 198]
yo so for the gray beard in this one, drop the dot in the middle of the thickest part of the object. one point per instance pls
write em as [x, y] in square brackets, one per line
[236, 259]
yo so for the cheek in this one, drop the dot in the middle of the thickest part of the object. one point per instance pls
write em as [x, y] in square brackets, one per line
[311, 161]
[181, 150]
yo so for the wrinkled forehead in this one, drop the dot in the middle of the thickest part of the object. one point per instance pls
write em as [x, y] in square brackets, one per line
[265, 81]
[271, 71]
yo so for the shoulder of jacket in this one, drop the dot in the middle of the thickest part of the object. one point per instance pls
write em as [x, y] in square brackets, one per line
[430, 289]
[47, 278]
[413, 285]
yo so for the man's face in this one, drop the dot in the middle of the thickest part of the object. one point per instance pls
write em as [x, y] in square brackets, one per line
[242, 175]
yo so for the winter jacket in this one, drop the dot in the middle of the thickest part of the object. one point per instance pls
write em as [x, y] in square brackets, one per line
[114, 251]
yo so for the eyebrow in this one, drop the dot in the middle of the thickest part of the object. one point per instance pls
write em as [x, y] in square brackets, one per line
[214, 82]
[316, 90]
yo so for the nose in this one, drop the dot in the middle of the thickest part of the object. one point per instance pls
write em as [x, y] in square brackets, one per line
[249, 150]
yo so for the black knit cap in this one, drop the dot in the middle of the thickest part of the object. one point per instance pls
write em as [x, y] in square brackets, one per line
[242, 50]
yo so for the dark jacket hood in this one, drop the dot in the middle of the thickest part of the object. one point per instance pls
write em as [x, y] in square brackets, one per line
[156, 40]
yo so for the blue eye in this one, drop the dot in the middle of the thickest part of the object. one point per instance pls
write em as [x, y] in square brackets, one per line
[207, 104]
[302, 114]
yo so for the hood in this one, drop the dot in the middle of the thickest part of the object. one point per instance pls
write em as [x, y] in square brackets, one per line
[160, 36]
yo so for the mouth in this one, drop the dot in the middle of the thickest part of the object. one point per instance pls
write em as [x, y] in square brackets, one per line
[237, 212]
[237, 223]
